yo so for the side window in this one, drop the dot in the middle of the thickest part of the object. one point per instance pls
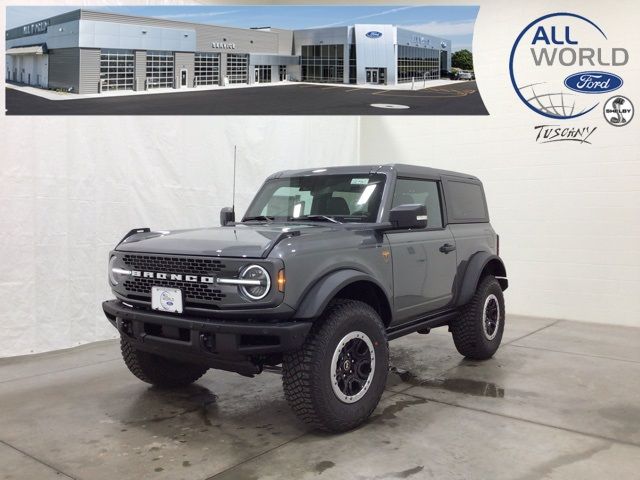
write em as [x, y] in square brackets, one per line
[424, 192]
[465, 202]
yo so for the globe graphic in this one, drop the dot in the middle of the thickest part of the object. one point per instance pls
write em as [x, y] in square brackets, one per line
[554, 104]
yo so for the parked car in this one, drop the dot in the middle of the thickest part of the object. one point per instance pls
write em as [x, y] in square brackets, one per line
[466, 75]
[326, 266]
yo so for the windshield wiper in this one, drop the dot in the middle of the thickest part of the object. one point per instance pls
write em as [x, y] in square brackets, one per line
[326, 218]
[260, 218]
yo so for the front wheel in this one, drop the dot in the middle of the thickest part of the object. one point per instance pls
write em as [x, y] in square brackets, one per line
[477, 333]
[335, 381]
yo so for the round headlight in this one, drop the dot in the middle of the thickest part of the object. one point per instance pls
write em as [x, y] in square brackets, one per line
[258, 282]
[116, 273]
[112, 274]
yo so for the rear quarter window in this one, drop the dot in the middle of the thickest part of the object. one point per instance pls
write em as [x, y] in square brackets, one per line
[466, 202]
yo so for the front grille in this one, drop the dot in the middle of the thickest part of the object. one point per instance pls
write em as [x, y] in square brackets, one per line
[184, 265]
[191, 291]
[194, 293]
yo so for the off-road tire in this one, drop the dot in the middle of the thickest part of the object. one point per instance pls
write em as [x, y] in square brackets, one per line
[306, 373]
[467, 331]
[157, 370]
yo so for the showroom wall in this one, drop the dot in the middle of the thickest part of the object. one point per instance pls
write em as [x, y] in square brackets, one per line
[70, 196]
[567, 213]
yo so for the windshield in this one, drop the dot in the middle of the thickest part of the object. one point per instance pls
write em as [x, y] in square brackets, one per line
[341, 198]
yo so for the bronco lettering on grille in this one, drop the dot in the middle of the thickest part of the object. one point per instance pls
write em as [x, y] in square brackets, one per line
[173, 276]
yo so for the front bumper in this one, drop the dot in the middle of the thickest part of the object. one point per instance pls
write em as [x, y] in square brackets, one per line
[214, 342]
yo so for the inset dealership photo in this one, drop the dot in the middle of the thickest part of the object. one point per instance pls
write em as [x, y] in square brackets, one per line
[249, 60]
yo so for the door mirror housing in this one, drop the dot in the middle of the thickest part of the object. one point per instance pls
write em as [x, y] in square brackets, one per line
[409, 216]
[227, 216]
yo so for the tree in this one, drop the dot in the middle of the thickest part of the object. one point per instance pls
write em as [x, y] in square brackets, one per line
[462, 59]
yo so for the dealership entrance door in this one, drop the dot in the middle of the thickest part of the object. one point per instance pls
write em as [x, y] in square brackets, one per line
[376, 76]
[184, 78]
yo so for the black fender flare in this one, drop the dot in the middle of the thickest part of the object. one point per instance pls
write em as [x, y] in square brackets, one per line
[472, 272]
[316, 298]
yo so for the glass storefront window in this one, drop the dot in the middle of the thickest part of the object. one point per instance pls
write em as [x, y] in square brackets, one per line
[417, 63]
[263, 73]
[322, 63]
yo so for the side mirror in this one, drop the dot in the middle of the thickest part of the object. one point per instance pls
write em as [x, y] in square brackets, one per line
[227, 215]
[410, 216]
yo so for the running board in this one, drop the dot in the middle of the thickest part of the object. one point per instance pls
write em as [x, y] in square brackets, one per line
[430, 321]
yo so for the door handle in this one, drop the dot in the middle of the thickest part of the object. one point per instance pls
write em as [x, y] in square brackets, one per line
[447, 247]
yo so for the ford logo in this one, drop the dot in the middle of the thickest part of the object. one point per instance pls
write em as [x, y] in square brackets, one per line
[373, 34]
[593, 82]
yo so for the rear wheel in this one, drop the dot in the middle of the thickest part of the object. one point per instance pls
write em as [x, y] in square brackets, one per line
[477, 333]
[157, 370]
[335, 380]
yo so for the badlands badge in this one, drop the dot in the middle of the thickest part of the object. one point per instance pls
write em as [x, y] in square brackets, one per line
[618, 111]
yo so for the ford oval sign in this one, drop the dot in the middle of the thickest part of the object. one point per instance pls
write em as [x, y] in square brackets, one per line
[373, 34]
[593, 82]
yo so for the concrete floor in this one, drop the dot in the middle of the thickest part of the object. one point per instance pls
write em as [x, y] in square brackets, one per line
[559, 400]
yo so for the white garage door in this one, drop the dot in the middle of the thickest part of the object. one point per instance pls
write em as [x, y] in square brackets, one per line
[29, 69]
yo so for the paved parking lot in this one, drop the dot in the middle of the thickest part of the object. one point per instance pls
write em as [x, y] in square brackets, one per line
[299, 99]
[559, 400]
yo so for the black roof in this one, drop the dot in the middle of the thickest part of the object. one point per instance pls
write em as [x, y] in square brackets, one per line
[401, 169]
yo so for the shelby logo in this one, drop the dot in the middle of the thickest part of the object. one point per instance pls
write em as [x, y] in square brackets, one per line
[556, 133]
[173, 276]
[544, 60]
[618, 111]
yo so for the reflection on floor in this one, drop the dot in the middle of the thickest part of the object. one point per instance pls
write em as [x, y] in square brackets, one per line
[559, 400]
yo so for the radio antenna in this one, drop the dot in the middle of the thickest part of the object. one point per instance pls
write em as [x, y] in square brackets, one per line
[233, 198]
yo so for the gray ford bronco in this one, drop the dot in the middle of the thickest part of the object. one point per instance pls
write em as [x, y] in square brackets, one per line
[325, 267]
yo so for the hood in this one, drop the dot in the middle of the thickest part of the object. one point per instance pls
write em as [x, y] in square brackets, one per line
[242, 240]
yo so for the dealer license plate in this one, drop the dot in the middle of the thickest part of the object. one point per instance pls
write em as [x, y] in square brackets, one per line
[166, 299]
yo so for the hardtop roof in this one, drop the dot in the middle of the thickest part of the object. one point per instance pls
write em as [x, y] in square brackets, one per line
[401, 169]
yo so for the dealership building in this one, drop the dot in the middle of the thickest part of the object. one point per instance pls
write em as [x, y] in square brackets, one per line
[85, 51]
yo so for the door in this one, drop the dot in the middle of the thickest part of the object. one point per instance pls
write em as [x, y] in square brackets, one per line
[373, 75]
[424, 260]
[183, 77]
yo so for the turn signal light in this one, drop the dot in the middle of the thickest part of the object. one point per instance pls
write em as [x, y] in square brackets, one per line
[281, 281]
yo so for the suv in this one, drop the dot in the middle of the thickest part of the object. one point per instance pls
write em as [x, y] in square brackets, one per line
[326, 266]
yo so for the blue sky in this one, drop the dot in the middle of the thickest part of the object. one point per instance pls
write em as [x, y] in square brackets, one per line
[452, 22]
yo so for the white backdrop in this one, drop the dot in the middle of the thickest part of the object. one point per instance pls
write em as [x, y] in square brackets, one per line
[568, 215]
[72, 187]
